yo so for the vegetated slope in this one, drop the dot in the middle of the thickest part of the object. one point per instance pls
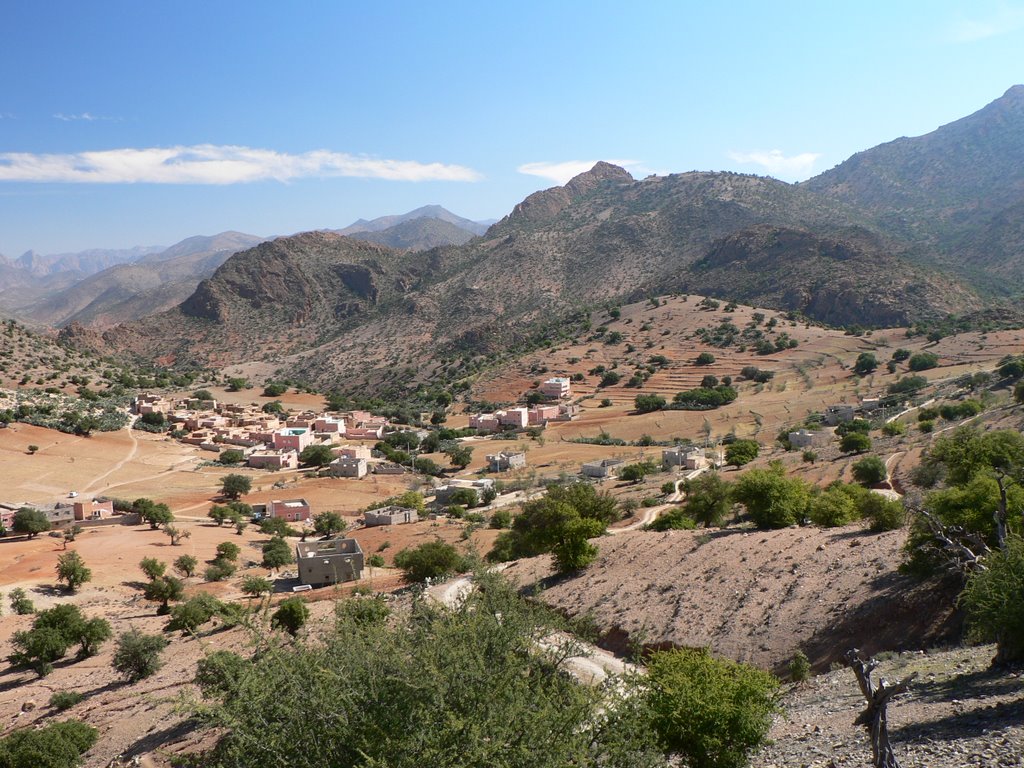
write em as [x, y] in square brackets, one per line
[419, 234]
[602, 237]
[755, 596]
[424, 212]
[842, 278]
[154, 283]
[954, 189]
[287, 294]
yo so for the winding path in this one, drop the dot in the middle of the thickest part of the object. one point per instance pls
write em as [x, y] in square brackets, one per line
[131, 455]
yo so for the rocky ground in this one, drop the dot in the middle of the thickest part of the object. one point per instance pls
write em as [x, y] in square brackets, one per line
[959, 712]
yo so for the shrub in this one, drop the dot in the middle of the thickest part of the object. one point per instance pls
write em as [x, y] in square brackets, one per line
[894, 428]
[866, 363]
[923, 361]
[772, 499]
[58, 745]
[869, 470]
[218, 674]
[741, 452]
[274, 390]
[675, 519]
[610, 379]
[832, 507]
[276, 553]
[291, 615]
[230, 457]
[713, 712]
[705, 358]
[186, 565]
[994, 601]
[152, 567]
[219, 570]
[138, 655]
[62, 700]
[884, 514]
[908, 385]
[194, 612]
[799, 667]
[855, 442]
[227, 550]
[809, 456]
[926, 426]
[649, 403]
[430, 560]
[501, 518]
[20, 602]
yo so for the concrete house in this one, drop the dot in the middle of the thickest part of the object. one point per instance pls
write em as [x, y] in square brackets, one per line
[292, 510]
[556, 388]
[331, 561]
[346, 467]
[506, 460]
[685, 457]
[93, 510]
[354, 452]
[805, 438]
[602, 468]
[273, 460]
[391, 515]
[542, 414]
[839, 414]
[443, 493]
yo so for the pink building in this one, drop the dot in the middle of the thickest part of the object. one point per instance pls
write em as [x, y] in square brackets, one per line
[556, 388]
[293, 439]
[541, 414]
[329, 424]
[514, 417]
[93, 510]
[484, 422]
[292, 510]
[365, 433]
[274, 460]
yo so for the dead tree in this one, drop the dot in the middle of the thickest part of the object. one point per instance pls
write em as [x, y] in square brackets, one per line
[874, 717]
[963, 551]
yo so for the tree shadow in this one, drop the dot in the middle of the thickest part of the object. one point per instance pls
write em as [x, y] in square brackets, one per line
[157, 739]
[976, 722]
[972, 685]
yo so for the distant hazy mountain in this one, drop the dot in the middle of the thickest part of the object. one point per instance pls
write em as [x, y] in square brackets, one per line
[156, 282]
[417, 235]
[83, 262]
[426, 212]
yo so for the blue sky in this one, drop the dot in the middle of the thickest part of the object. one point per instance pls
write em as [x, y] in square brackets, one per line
[125, 123]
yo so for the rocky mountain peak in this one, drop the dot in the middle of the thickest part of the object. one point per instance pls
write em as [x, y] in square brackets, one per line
[600, 173]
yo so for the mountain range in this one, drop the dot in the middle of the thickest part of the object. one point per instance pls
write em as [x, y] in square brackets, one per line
[914, 230]
[101, 288]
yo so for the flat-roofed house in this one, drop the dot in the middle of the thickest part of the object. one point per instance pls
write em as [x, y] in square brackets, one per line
[556, 388]
[292, 510]
[343, 466]
[602, 468]
[390, 515]
[293, 439]
[93, 510]
[331, 561]
[506, 460]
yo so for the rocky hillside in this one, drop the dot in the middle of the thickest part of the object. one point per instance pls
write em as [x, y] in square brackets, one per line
[603, 237]
[756, 596]
[957, 190]
[154, 283]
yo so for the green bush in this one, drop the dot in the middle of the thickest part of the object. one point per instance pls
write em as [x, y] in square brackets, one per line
[714, 712]
[799, 667]
[58, 745]
[923, 361]
[855, 442]
[62, 700]
[869, 470]
[772, 499]
[430, 560]
[994, 601]
[675, 519]
[138, 655]
[740, 452]
[894, 428]
[291, 615]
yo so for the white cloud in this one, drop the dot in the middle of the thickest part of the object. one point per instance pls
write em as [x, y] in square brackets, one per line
[215, 164]
[1005, 19]
[792, 168]
[86, 116]
[561, 172]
